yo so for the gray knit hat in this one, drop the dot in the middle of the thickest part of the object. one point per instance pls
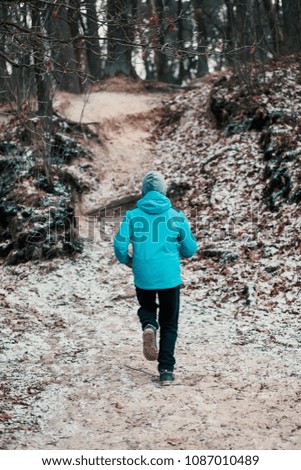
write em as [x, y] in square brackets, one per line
[153, 181]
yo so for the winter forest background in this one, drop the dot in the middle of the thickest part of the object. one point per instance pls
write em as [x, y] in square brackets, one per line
[54, 47]
[71, 44]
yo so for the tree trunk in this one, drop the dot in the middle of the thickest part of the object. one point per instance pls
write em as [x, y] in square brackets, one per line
[230, 34]
[92, 42]
[272, 18]
[63, 54]
[292, 21]
[163, 73]
[73, 21]
[4, 93]
[202, 63]
[21, 80]
[241, 36]
[243, 30]
[42, 131]
[120, 38]
[180, 44]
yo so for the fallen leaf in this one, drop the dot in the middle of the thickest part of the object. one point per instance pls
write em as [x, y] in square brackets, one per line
[174, 441]
[5, 416]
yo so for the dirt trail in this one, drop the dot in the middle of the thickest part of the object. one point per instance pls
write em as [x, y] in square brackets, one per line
[124, 122]
[73, 372]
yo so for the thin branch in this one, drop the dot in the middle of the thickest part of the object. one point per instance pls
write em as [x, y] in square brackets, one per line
[12, 62]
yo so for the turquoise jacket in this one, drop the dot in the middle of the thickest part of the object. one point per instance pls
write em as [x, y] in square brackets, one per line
[160, 235]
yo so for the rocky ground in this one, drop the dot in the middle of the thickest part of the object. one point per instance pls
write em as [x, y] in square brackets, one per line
[73, 374]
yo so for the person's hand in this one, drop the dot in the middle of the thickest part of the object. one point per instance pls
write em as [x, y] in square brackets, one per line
[130, 262]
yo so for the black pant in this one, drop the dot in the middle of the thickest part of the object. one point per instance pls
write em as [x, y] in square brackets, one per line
[169, 303]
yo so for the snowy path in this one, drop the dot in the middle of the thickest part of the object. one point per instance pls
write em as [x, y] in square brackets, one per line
[75, 378]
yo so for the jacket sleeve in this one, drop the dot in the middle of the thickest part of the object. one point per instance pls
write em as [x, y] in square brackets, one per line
[188, 245]
[122, 240]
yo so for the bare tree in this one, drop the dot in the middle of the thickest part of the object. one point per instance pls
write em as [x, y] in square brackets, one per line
[292, 21]
[159, 42]
[92, 40]
[16, 69]
[65, 66]
[43, 124]
[200, 18]
[120, 38]
[271, 11]
[4, 77]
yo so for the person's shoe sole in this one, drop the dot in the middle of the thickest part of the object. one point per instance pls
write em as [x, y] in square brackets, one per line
[149, 345]
[166, 383]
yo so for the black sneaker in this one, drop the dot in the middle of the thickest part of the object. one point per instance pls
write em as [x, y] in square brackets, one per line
[166, 377]
[150, 350]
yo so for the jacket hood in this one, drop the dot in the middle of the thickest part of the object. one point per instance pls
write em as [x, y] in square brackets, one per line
[154, 203]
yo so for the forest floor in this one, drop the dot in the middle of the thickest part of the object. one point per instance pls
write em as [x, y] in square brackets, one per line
[73, 373]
